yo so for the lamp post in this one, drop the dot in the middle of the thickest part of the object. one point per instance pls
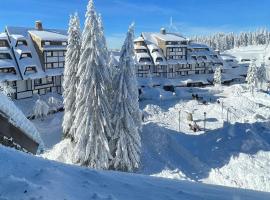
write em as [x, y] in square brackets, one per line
[204, 122]
[160, 97]
[179, 120]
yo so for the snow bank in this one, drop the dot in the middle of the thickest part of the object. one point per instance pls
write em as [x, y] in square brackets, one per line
[18, 119]
[244, 171]
[42, 179]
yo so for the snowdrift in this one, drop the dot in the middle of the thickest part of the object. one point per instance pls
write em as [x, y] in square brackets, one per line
[18, 119]
[27, 177]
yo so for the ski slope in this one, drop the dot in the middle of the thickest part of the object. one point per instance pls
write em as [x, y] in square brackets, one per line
[27, 177]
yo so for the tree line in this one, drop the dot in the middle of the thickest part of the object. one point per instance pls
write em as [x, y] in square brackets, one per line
[226, 41]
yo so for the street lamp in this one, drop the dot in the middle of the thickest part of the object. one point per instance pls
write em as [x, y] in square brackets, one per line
[179, 120]
[204, 122]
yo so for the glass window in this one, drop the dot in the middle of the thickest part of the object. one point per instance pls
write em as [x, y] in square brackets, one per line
[55, 53]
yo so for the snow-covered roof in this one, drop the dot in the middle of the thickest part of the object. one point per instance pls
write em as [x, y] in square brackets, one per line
[3, 36]
[23, 33]
[139, 39]
[169, 37]
[140, 47]
[197, 46]
[49, 36]
[17, 37]
[18, 119]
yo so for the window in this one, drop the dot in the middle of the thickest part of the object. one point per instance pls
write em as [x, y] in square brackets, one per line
[5, 56]
[47, 43]
[61, 53]
[55, 65]
[3, 43]
[38, 81]
[8, 70]
[30, 70]
[49, 54]
[159, 60]
[49, 80]
[25, 55]
[55, 53]
[61, 64]
[49, 65]
[64, 43]
[21, 43]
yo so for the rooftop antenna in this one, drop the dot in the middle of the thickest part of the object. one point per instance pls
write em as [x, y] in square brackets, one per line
[173, 28]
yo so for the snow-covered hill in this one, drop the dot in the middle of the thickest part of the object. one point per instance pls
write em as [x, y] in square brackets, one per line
[27, 177]
[233, 154]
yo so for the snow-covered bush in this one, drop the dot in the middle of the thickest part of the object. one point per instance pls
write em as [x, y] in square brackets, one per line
[54, 104]
[218, 76]
[41, 109]
[261, 75]
[6, 89]
[252, 78]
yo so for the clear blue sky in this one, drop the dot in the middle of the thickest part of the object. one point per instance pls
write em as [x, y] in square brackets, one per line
[191, 17]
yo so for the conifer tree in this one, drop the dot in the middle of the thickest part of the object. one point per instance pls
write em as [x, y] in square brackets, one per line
[70, 80]
[92, 115]
[251, 78]
[218, 76]
[126, 141]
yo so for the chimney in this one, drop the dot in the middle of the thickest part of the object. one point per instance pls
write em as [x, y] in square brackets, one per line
[38, 25]
[163, 31]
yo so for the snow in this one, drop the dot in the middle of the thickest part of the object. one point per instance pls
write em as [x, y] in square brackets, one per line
[29, 177]
[169, 37]
[49, 36]
[18, 119]
[210, 157]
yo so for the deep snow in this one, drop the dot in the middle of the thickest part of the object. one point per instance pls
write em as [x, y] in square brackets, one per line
[27, 177]
[232, 154]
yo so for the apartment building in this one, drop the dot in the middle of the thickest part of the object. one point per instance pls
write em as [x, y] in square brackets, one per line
[170, 55]
[32, 59]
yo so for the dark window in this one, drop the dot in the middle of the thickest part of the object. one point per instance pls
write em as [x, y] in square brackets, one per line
[5, 56]
[3, 43]
[8, 70]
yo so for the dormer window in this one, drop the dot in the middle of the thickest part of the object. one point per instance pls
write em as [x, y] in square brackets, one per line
[5, 56]
[145, 60]
[8, 70]
[21, 43]
[25, 55]
[30, 70]
[159, 60]
[3, 43]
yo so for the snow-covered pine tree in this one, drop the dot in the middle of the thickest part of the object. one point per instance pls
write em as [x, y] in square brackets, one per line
[251, 78]
[261, 75]
[92, 116]
[70, 80]
[126, 141]
[218, 76]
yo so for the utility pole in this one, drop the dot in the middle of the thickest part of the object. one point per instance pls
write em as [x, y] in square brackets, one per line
[179, 120]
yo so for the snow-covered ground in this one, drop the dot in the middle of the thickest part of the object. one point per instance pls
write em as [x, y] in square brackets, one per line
[234, 153]
[27, 177]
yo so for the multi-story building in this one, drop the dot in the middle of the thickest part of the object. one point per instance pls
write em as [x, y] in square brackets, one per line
[171, 55]
[32, 59]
